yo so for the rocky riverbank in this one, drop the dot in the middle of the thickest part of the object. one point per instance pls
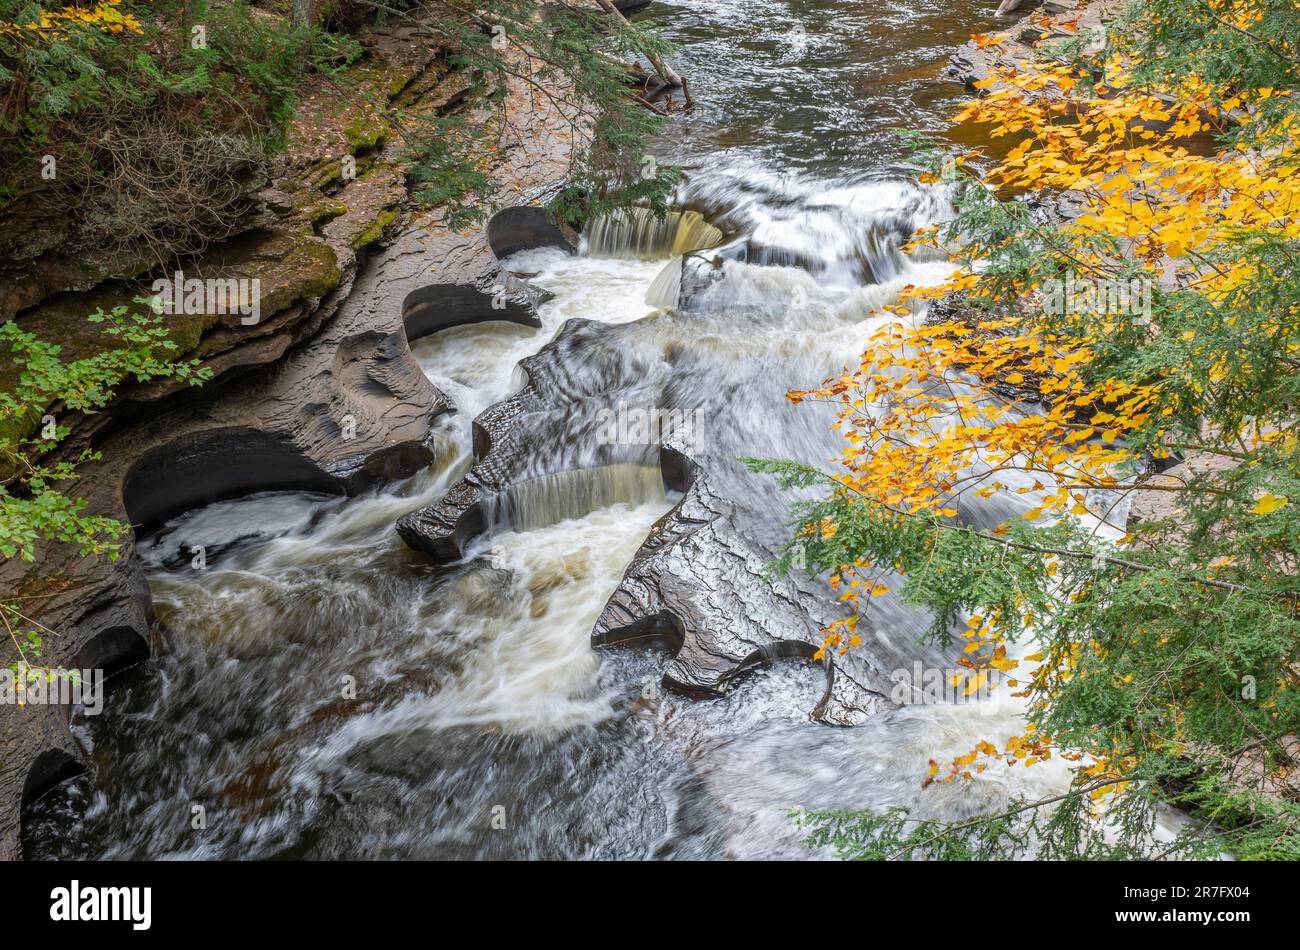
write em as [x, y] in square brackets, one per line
[322, 393]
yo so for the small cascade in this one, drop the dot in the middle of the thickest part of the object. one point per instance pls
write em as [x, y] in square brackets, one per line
[549, 499]
[844, 233]
[666, 287]
[638, 234]
[694, 234]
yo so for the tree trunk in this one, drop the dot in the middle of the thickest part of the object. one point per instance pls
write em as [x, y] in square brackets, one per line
[304, 12]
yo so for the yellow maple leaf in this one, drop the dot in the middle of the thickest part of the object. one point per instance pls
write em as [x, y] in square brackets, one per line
[1268, 503]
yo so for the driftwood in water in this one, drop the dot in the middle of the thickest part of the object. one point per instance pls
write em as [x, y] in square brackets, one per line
[666, 72]
[638, 75]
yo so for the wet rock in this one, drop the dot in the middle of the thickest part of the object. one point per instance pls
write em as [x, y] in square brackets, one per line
[701, 270]
[549, 426]
[524, 228]
[973, 64]
[701, 585]
[497, 295]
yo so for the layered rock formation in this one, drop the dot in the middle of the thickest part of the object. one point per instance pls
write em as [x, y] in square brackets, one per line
[321, 394]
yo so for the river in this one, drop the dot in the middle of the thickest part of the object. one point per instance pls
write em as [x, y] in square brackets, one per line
[324, 692]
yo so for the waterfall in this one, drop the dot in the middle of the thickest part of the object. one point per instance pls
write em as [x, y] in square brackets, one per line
[638, 235]
[549, 499]
[667, 286]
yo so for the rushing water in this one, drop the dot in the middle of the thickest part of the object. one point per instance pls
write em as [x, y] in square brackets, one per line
[325, 692]
[813, 87]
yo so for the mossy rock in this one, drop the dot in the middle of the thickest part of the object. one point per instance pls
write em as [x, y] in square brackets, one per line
[310, 270]
[381, 75]
[375, 231]
[324, 209]
[64, 322]
[366, 130]
[291, 266]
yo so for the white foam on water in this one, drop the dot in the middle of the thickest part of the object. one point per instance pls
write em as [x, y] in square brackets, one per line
[528, 664]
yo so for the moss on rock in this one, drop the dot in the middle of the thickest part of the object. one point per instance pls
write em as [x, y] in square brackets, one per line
[376, 229]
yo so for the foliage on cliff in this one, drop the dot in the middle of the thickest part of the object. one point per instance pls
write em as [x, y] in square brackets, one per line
[150, 119]
[33, 506]
[567, 56]
[151, 133]
[1160, 659]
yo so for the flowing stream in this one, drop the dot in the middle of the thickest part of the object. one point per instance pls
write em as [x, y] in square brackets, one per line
[325, 692]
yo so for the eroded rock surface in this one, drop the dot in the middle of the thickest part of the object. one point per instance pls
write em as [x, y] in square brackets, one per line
[550, 426]
[701, 586]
